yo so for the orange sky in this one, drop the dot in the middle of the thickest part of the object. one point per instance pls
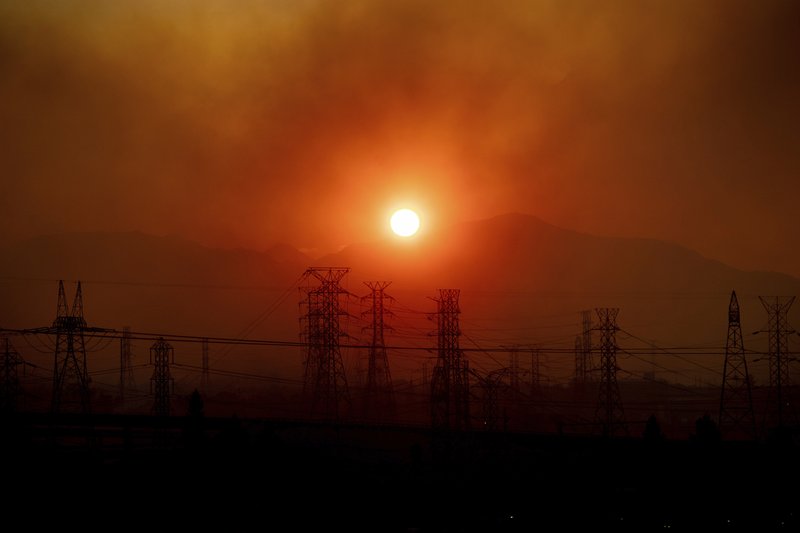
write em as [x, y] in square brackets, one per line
[250, 123]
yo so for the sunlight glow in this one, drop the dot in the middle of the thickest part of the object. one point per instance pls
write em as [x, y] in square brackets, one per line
[405, 222]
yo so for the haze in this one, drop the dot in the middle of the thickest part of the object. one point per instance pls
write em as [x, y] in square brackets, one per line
[253, 123]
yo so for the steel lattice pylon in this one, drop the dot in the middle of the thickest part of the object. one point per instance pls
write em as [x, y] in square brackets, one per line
[736, 401]
[70, 378]
[324, 377]
[778, 400]
[609, 405]
[161, 383]
[450, 383]
[9, 377]
[379, 403]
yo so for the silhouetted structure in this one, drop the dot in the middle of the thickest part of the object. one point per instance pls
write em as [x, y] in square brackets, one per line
[736, 416]
[70, 378]
[161, 384]
[324, 378]
[379, 403]
[609, 405]
[126, 379]
[778, 398]
[450, 382]
[9, 377]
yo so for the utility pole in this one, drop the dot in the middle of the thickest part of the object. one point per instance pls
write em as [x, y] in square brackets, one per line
[379, 401]
[736, 401]
[324, 380]
[609, 405]
[450, 383]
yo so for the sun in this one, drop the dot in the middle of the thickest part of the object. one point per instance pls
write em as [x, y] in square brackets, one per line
[404, 222]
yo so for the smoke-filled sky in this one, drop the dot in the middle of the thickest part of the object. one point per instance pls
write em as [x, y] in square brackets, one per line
[255, 122]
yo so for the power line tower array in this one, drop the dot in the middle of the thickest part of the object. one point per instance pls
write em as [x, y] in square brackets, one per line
[324, 378]
[9, 378]
[126, 380]
[70, 378]
[450, 383]
[379, 400]
[778, 398]
[736, 401]
[161, 383]
[609, 405]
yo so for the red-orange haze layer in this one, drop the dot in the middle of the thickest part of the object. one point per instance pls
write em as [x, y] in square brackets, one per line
[305, 122]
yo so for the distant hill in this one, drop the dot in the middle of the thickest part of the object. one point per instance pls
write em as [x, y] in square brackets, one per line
[522, 280]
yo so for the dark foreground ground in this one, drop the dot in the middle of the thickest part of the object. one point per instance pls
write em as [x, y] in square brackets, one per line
[140, 473]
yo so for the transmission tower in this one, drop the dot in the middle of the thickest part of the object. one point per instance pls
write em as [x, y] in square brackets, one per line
[736, 401]
[379, 400]
[70, 378]
[204, 377]
[9, 378]
[609, 405]
[450, 382]
[778, 399]
[324, 378]
[161, 383]
[126, 380]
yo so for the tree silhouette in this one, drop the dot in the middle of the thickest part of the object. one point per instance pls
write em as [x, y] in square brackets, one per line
[652, 431]
[195, 405]
[706, 431]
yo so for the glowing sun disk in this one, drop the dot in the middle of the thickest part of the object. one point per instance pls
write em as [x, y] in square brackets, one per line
[404, 222]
